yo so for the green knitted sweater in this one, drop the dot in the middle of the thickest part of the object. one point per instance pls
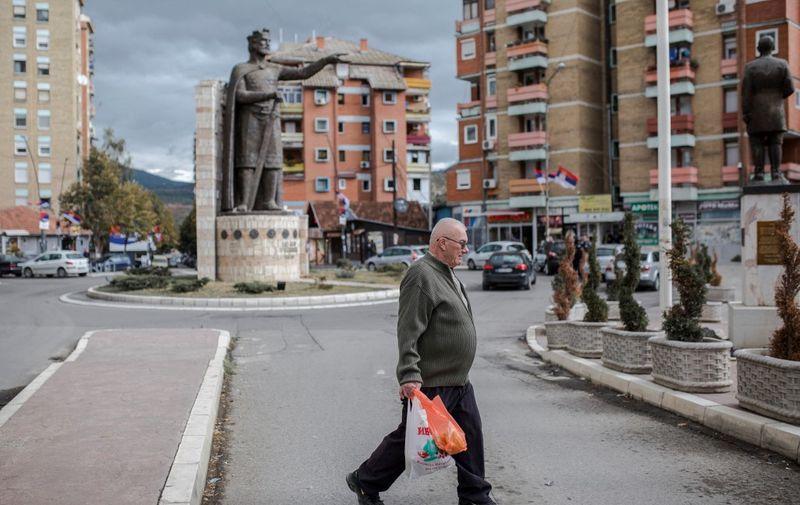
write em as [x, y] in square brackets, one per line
[435, 332]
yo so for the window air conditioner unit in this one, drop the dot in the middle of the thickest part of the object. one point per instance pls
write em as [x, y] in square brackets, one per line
[725, 7]
[364, 164]
[488, 145]
[489, 184]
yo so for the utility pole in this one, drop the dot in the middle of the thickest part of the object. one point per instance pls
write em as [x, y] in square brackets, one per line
[394, 193]
[664, 150]
[558, 69]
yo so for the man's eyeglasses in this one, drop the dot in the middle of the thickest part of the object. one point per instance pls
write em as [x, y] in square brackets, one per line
[462, 243]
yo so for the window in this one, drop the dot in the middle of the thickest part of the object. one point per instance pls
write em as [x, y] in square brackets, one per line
[729, 47]
[471, 134]
[321, 125]
[21, 196]
[389, 97]
[20, 146]
[321, 154]
[388, 185]
[470, 9]
[44, 146]
[320, 96]
[615, 149]
[44, 119]
[366, 182]
[20, 118]
[491, 85]
[468, 49]
[43, 92]
[340, 98]
[19, 9]
[342, 156]
[615, 103]
[388, 155]
[365, 127]
[340, 127]
[21, 172]
[416, 184]
[491, 42]
[366, 156]
[20, 38]
[680, 105]
[612, 13]
[463, 179]
[731, 100]
[612, 57]
[291, 94]
[489, 4]
[342, 184]
[731, 154]
[43, 65]
[681, 157]
[678, 4]
[417, 157]
[20, 64]
[389, 126]
[45, 174]
[43, 40]
[20, 91]
[42, 12]
[322, 184]
[365, 100]
[491, 127]
[772, 32]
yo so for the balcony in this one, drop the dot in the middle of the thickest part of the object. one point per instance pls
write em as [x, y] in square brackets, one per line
[491, 102]
[521, 186]
[526, 139]
[730, 121]
[418, 139]
[730, 174]
[418, 107]
[676, 73]
[527, 93]
[412, 167]
[525, 55]
[469, 109]
[527, 154]
[291, 108]
[526, 17]
[292, 139]
[417, 117]
[684, 87]
[681, 123]
[294, 168]
[417, 86]
[490, 59]
[489, 16]
[514, 6]
[729, 68]
[676, 140]
[681, 24]
[467, 26]
[681, 176]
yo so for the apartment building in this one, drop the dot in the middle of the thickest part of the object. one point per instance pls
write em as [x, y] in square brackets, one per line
[710, 41]
[357, 128]
[535, 70]
[47, 109]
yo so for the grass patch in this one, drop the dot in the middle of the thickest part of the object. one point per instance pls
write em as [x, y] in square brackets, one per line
[364, 276]
[227, 290]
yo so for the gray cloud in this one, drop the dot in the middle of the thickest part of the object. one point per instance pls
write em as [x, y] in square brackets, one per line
[149, 55]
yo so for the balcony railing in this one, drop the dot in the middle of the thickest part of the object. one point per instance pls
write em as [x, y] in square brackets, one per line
[418, 139]
[293, 168]
[291, 108]
[514, 6]
[417, 117]
[681, 123]
[489, 16]
[678, 18]
[521, 49]
[527, 139]
[491, 102]
[420, 107]
[730, 120]
[676, 73]
[467, 26]
[490, 58]
[730, 174]
[680, 176]
[469, 109]
[729, 67]
[292, 137]
[527, 93]
[520, 186]
[417, 83]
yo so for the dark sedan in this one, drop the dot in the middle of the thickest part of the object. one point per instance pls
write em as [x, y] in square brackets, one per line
[9, 265]
[508, 269]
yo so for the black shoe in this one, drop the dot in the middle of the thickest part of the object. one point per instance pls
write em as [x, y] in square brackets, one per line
[467, 502]
[363, 498]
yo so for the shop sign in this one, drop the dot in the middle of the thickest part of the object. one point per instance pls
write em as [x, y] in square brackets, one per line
[646, 233]
[512, 217]
[644, 208]
[594, 204]
[718, 205]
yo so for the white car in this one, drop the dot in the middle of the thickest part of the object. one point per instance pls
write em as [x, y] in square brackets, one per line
[56, 263]
[477, 259]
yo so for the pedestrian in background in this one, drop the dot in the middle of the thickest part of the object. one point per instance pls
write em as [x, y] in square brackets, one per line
[436, 341]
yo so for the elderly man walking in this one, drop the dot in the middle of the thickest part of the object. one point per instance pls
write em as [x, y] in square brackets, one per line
[436, 341]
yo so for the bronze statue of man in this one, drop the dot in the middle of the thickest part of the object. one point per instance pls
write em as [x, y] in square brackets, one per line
[767, 83]
[253, 152]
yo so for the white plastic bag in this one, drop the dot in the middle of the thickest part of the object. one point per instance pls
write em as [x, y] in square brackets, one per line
[422, 455]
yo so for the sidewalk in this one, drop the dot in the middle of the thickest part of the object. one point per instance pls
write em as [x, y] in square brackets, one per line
[127, 412]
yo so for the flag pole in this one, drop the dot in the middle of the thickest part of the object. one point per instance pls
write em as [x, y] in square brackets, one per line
[664, 147]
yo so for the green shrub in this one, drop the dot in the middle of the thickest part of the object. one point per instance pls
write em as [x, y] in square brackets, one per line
[159, 271]
[253, 287]
[702, 261]
[138, 282]
[345, 274]
[632, 315]
[393, 269]
[345, 264]
[596, 307]
[682, 320]
[188, 285]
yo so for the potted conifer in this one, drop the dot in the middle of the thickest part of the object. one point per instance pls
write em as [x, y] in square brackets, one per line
[627, 348]
[585, 338]
[712, 309]
[566, 291]
[612, 293]
[769, 379]
[689, 358]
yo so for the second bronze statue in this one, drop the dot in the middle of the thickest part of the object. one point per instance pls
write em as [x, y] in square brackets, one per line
[253, 151]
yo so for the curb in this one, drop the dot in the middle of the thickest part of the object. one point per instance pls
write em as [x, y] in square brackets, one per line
[187, 476]
[749, 427]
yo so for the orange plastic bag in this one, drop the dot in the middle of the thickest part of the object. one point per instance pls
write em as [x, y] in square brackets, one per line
[447, 434]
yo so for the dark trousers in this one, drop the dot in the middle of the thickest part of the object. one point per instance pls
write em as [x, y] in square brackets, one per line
[387, 463]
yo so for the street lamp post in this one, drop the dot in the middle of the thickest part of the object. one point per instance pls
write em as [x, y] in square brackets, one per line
[664, 147]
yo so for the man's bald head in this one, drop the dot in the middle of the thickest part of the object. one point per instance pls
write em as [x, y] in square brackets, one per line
[446, 227]
[446, 239]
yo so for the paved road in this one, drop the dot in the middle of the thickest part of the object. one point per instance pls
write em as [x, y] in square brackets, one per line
[314, 392]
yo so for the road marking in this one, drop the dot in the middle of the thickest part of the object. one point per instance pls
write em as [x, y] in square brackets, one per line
[380, 372]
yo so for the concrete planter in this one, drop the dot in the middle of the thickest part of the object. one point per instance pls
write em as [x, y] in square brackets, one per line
[613, 311]
[576, 314]
[558, 334]
[627, 351]
[712, 312]
[585, 339]
[720, 294]
[694, 367]
[767, 385]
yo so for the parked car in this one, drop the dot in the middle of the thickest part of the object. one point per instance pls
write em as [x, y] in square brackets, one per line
[548, 256]
[56, 263]
[508, 269]
[477, 259]
[396, 254]
[650, 269]
[9, 265]
[113, 263]
[605, 254]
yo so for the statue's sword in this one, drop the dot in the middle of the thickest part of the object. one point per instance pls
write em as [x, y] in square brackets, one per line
[262, 156]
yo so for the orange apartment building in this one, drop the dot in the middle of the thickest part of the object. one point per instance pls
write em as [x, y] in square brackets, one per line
[339, 126]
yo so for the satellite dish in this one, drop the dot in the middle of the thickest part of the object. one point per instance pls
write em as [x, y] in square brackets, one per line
[401, 205]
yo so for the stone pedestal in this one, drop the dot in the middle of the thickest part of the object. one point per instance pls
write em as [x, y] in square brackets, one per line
[752, 322]
[260, 247]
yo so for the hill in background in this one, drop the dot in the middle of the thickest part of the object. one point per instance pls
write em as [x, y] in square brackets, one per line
[177, 196]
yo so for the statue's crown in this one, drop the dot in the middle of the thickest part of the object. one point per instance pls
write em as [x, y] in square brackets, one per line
[258, 35]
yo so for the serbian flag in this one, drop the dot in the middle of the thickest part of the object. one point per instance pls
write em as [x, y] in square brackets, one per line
[540, 177]
[565, 178]
[72, 217]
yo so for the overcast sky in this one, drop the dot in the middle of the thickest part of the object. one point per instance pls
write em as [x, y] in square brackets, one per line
[149, 55]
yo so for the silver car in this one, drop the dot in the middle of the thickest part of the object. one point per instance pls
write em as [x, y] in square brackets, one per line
[477, 259]
[396, 254]
[650, 269]
[606, 253]
[56, 263]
